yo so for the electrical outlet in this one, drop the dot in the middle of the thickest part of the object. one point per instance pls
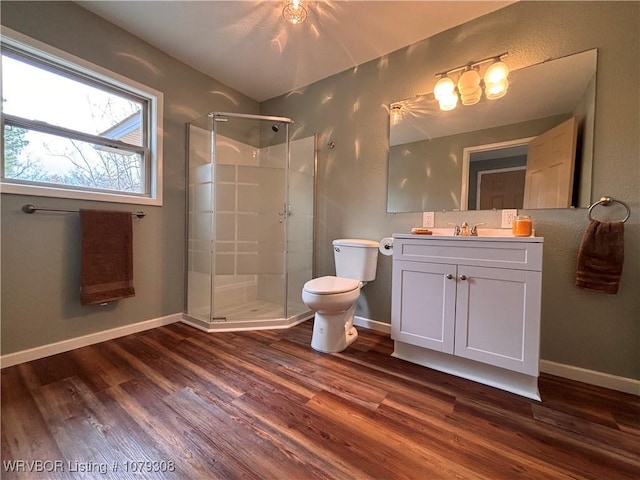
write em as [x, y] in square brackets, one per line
[428, 219]
[508, 215]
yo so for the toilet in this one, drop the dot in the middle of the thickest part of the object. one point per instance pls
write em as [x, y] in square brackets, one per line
[334, 299]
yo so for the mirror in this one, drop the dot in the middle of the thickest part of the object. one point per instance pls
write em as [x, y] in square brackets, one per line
[497, 153]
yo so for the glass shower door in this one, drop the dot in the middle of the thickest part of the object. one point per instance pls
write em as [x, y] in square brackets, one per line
[300, 224]
[249, 238]
[199, 281]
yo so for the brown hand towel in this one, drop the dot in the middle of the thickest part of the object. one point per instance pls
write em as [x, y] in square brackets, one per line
[601, 256]
[107, 256]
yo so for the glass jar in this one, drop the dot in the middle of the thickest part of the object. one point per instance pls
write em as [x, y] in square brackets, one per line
[522, 226]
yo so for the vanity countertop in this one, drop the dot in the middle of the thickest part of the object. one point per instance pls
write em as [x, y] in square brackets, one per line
[484, 235]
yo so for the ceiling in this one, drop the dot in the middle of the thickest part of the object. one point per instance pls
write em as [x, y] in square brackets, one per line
[248, 45]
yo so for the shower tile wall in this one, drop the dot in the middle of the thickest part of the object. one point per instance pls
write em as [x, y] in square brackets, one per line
[239, 218]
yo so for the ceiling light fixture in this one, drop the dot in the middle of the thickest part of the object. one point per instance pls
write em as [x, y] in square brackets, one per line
[294, 12]
[396, 113]
[470, 84]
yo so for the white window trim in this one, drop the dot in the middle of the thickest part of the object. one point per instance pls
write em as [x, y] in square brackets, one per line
[156, 99]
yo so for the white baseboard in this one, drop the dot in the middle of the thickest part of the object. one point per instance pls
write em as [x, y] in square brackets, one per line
[599, 379]
[372, 324]
[36, 353]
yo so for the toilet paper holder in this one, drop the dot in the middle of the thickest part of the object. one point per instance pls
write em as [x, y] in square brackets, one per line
[386, 246]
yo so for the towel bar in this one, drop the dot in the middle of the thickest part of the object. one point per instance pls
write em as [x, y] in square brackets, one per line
[606, 201]
[29, 208]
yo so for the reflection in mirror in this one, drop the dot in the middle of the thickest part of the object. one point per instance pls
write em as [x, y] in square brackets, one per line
[532, 148]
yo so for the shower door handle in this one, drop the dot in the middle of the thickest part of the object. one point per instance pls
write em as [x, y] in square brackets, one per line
[286, 212]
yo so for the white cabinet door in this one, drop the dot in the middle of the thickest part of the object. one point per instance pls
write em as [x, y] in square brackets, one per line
[497, 317]
[423, 304]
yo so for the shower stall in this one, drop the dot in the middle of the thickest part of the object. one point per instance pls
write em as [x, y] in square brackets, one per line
[250, 222]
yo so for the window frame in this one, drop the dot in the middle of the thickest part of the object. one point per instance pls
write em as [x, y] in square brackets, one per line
[62, 63]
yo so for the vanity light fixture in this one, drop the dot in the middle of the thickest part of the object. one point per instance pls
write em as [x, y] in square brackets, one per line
[470, 84]
[294, 12]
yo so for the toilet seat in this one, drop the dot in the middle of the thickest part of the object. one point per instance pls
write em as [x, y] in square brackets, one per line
[331, 285]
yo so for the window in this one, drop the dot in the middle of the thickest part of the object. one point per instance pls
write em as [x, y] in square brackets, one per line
[74, 130]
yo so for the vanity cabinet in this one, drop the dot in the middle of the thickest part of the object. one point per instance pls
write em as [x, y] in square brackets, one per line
[473, 301]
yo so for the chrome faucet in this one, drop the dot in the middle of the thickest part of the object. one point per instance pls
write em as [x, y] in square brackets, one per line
[464, 230]
[474, 230]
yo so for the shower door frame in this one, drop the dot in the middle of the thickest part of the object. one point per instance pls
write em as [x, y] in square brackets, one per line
[285, 321]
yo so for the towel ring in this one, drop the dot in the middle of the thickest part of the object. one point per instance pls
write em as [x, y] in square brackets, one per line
[606, 201]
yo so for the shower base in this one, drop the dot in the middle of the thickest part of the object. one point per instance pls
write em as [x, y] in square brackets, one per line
[252, 315]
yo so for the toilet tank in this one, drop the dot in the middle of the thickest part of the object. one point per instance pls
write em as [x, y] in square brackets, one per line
[356, 258]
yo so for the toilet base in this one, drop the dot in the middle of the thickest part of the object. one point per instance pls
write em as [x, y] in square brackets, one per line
[333, 333]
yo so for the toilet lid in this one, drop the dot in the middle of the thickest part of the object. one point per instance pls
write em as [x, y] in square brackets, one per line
[329, 285]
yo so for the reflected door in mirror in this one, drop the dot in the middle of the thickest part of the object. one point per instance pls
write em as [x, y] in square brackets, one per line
[550, 167]
[504, 189]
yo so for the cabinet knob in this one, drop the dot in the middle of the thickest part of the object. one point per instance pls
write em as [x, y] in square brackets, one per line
[463, 277]
[449, 276]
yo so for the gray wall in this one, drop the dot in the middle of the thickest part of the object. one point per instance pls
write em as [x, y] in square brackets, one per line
[585, 329]
[40, 252]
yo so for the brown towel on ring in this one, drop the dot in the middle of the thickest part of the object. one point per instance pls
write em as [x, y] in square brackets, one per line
[601, 256]
[107, 256]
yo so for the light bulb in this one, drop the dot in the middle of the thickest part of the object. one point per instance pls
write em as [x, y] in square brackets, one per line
[468, 82]
[448, 102]
[443, 87]
[496, 72]
[471, 98]
[497, 89]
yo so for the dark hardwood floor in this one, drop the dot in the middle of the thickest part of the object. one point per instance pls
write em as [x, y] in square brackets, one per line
[175, 402]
